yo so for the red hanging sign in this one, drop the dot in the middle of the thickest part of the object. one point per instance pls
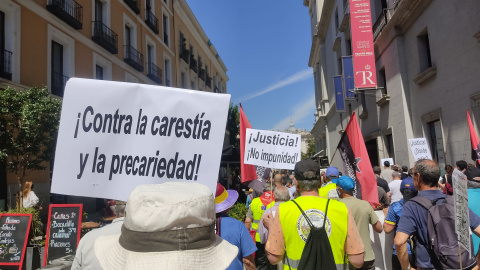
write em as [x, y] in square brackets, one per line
[362, 44]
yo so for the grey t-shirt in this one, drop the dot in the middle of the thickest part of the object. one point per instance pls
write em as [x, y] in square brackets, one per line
[387, 175]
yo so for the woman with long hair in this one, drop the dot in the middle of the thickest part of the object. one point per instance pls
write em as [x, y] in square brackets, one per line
[29, 197]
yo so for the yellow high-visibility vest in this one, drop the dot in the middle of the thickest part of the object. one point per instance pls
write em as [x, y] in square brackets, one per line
[258, 208]
[296, 229]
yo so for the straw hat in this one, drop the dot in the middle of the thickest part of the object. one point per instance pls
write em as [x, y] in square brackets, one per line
[224, 199]
[167, 226]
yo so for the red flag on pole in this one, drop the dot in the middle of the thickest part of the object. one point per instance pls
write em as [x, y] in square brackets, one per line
[473, 139]
[357, 163]
[248, 172]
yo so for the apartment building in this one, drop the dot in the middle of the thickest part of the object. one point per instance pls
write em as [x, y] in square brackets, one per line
[427, 53]
[46, 42]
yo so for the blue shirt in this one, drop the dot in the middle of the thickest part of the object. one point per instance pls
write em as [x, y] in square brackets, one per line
[392, 218]
[237, 234]
[414, 219]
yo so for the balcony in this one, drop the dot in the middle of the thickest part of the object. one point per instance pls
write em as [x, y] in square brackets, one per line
[185, 55]
[201, 74]
[133, 4]
[68, 11]
[105, 37]
[151, 21]
[6, 66]
[379, 24]
[58, 83]
[193, 64]
[208, 82]
[154, 73]
[134, 58]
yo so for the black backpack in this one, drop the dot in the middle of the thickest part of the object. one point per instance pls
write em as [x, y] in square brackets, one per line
[317, 253]
[442, 243]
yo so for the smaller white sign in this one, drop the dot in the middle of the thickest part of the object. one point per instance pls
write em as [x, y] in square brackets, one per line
[462, 217]
[272, 149]
[420, 149]
[387, 159]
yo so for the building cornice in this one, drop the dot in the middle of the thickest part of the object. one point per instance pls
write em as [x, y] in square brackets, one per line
[325, 18]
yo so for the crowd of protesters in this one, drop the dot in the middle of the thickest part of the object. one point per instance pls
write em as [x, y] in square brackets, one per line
[182, 226]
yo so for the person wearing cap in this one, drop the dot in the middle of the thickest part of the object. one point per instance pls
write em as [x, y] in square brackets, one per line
[289, 230]
[364, 216]
[282, 195]
[85, 255]
[254, 214]
[392, 218]
[167, 226]
[329, 189]
[233, 230]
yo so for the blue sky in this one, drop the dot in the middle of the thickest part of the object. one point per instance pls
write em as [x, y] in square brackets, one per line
[265, 46]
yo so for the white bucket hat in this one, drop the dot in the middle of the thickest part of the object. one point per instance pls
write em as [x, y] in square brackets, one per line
[167, 226]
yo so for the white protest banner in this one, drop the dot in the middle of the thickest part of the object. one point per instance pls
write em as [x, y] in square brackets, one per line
[386, 159]
[272, 149]
[114, 136]
[420, 149]
[462, 216]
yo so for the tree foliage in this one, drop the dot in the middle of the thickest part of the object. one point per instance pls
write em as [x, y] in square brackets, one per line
[310, 149]
[29, 121]
[233, 122]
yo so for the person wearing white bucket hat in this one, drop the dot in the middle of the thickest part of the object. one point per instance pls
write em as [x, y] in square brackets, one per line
[167, 226]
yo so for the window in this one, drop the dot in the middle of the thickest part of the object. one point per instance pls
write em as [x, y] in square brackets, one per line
[348, 47]
[192, 84]
[101, 11]
[336, 20]
[183, 78]
[98, 11]
[130, 32]
[10, 23]
[424, 55]
[128, 36]
[339, 64]
[436, 142]
[150, 54]
[61, 56]
[98, 72]
[166, 30]
[168, 74]
[102, 68]
[57, 69]
[382, 80]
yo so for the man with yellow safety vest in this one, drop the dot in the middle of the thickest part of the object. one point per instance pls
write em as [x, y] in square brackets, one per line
[254, 214]
[289, 230]
[329, 188]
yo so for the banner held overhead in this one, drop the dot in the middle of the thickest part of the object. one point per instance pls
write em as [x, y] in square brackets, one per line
[114, 136]
[362, 44]
[272, 149]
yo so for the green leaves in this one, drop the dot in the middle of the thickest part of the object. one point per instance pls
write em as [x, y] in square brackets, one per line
[28, 126]
[233, 122]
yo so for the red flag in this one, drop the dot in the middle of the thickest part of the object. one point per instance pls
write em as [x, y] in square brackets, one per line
[473, 139]
[357, 163]
[248, 172]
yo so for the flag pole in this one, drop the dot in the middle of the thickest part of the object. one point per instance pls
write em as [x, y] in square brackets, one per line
[331, 160]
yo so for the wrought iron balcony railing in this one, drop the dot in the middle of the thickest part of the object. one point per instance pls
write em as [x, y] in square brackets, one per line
[105, 37]
[380, 24]
[201, 74]
[151, 21]
[133, 4]
[58, 83]
[193, 64]
[134, 58]
[68, 11]
[6, 65]
[185, 55]
[154, 73]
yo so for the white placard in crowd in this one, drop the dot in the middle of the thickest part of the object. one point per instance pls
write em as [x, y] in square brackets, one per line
[272, 149]
[114, 136]
[386, 159]
[462, 217]
[420, 149]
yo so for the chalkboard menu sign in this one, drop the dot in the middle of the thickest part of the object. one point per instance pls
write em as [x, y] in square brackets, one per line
[14, 230]
[63, 231]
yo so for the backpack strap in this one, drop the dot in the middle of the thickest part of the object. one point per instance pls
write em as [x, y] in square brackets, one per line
[326, 210]
[424, 202]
